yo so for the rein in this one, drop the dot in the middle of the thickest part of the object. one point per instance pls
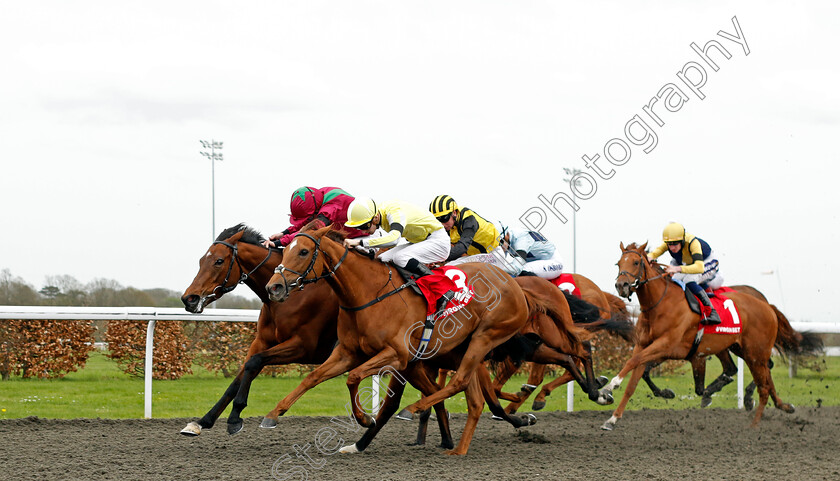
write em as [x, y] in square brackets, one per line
[242, 278]
[639, 282]
[381, 298]
[301, 280]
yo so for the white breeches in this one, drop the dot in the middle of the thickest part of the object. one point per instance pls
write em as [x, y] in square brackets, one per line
[434, 249]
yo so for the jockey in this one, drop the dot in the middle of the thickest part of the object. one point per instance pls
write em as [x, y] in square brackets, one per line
[540, 255]
[326, 206]
[692, 262]
[468, 232]
[427, 239]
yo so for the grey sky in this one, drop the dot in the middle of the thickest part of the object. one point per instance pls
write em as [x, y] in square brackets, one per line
[103, 105]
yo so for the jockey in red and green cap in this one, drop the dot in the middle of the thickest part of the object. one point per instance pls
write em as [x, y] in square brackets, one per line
[326, 206]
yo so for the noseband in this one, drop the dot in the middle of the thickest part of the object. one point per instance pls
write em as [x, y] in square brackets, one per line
[242, 278]
[301, 279]
[639, 282]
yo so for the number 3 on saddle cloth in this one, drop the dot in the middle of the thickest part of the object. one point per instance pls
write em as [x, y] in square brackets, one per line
[443, 280]
[725, 307]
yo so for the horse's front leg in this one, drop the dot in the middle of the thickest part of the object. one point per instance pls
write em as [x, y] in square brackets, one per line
[475, 404]
[208, 420]
[389, 358]
[396, 387]
[340, 361]
[655, 351]
[631, 388]
[289, 351]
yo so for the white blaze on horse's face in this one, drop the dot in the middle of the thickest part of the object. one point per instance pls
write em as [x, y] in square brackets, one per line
[292, 245]
[208, 254]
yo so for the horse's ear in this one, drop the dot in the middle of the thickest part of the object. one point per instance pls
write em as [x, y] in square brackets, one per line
[621, 244]
[643, 247]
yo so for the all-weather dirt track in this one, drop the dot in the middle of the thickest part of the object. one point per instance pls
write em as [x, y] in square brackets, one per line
[653, 444]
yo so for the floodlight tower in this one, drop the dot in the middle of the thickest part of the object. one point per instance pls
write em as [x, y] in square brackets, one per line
[213, 156]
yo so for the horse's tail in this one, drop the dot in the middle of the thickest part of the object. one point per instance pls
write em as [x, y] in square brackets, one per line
[588, 316]
[582, 311]
[789, 341]
[554, 326]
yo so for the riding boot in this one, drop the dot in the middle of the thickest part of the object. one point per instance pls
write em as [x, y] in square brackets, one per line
[415, 267]
[710, 315]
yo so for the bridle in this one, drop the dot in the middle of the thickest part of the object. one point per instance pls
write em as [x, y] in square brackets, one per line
[638, 281]
[301, 279]
[242, 278]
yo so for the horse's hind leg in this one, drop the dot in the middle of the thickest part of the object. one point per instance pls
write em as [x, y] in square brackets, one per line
[489, 392]
[663, 393]
[539, 401]
[729, 370]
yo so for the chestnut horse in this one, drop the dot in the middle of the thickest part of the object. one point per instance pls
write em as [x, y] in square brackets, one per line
[668, 328]
[385, 335]
[300, 331]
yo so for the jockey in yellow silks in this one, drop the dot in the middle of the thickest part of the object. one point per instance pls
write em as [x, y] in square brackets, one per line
[694, 263]
[427, 242]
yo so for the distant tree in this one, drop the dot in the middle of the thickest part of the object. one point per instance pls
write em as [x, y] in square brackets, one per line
[50, 292]
[14, 291]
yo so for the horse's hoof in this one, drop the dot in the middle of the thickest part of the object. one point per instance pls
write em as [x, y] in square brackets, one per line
[788, 408]
[234, 427]
[706, 401]
[749, 404]
[608, 426]
[192, 429]
[449, 445]
[667, 394]
[351, 449]
[453, 453]
[368, 421]
[538, 405]
[529, 419]
[601, 381]
[405, 415]
[268, 423]
[605, 399]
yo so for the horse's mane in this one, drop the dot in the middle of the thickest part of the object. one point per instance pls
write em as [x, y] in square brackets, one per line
[332, 234]
[249, 234]
[655, 265]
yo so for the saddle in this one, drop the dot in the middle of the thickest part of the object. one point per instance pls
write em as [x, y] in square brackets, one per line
[408, 278]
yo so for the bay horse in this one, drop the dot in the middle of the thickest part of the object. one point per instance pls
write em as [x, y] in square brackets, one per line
[384, 334]
[302, 331]
[668, 328]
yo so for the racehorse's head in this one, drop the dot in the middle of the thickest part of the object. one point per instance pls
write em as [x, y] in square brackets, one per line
[219, 270]
[304, 262]
[631, 269]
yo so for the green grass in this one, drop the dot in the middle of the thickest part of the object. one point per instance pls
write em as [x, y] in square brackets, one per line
[101, 390]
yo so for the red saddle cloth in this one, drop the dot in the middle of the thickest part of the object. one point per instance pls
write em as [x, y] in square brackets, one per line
[445, 279]
[567, 283]
[725, 307]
